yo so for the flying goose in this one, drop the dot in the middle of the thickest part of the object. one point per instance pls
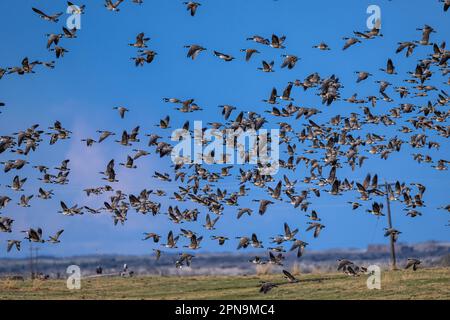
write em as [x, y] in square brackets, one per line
[255, 242]
[289, 277]
[223, 56]
[277, 42]
[410, 46]
[17, 184]
[390, 69]
[34, 235]
[192, 7]
[13, 243]
[6, 224]
[316, 226]
[322, 46]
[300, 246]
[243, 242]
[171, 241]
[289, 61]
[259, 39]
[122, 111]
[350, 42]
[392, 232]
[53, 18]
[267, 67]
[24, 201]
[412, 262]
[362, 75]
[426, 31]
[288, 234]
[4, 201]
[76, 9]
[140, 41]
[194, 50]
[113, 6]
[249, 53]
[209, 225]
[221, 239]
[446, 4]
[267, 286]
[195, 242]
[263, 204]
[55, 238]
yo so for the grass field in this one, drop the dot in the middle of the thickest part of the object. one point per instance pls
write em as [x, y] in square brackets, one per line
[422, 284]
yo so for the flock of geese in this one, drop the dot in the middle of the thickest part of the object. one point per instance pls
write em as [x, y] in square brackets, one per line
[321, 148]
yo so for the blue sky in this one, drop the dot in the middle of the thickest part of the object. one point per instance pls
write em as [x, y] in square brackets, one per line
[97, 74]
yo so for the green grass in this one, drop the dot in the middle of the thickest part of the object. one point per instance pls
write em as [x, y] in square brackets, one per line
[422, 284]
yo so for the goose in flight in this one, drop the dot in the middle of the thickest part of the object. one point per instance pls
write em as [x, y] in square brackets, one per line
[263, 204]
[12, 244]
[316, 226]
[55, 238]
[192, 7]
[122, 111]
[277, 42]
[426, 32]
[129, 164]
[289, 277]
[390, 69]
[288, 234]
[195, 242]
[267, 286]
[17, 184]
[171, 241]
[89, 142]
[53, 18]
[209, 225]
[243, 242]
[148, 55]
[53, 39]
[59, 51]
[104, 135]
[249, 53]
[6, 224]
[446, 4]
[255, 242]
[362, 75]
[157, 254]
[376, 209]
[70, 34]
[412, 262]
[350, 42]
[322, 46]
[76, 9]
[25, 201]
[243, 211]
[221, 239]
[410, 46]
[194, 50]
[259, 39]
[4, 200]
[289, 61]
[392, 232]
[113, 6]
[267, 67]
[34, 235]
[223, 56]
[140, 41]
[300, 246]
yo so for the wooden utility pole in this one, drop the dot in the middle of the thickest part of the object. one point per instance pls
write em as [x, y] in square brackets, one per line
[36, 262]
[388, 204]
[31, 261]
